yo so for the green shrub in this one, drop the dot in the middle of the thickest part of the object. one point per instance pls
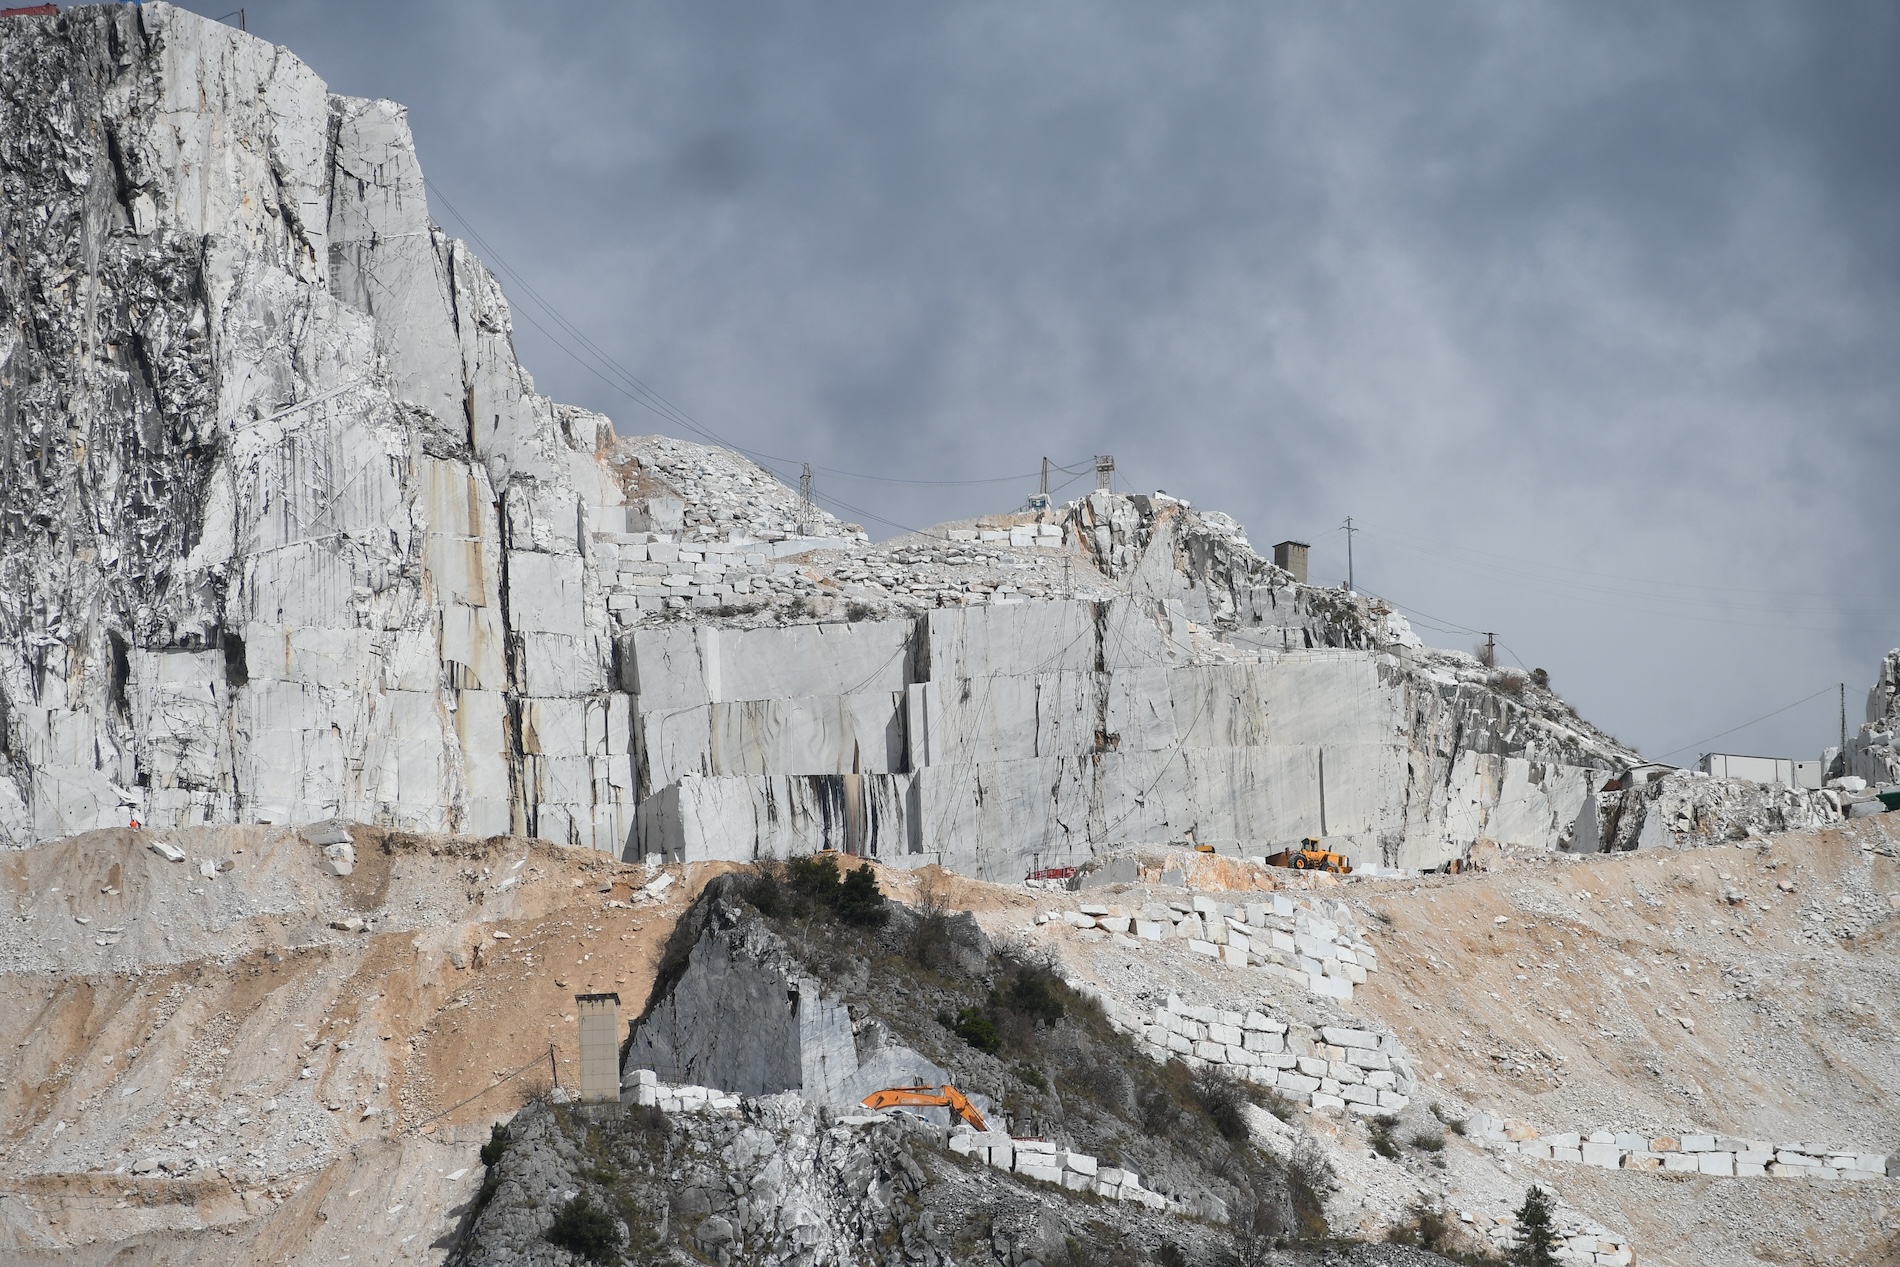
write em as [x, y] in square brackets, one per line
[1221, 1100]
[587, 1230]
[1033, 1076]
[1033, 992]
[810, 887]
[1426, 1227]
[978, 1030]
[815, 878]
[1425, 1141]
[1536, 1244]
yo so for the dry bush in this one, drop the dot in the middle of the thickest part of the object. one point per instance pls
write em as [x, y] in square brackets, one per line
[1510, 682]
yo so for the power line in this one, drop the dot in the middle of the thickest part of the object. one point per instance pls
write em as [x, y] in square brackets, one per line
[1826, 690]
[647, 398]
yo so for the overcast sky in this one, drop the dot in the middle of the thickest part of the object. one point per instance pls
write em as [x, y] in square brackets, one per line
[1589, 314]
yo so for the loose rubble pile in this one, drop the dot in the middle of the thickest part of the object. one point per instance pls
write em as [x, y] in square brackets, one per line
[1311, 943]
[1717, 1155]
[1688, 807]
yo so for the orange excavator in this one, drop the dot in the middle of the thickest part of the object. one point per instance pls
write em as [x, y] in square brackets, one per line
[944, 1097]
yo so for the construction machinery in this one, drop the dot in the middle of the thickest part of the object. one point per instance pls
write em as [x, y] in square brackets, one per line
[1312, 855]
[925, 1097]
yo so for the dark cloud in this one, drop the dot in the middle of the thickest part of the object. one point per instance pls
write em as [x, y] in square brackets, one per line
[1587, 313]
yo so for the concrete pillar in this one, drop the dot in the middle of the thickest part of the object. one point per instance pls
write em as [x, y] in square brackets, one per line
[600, 1047]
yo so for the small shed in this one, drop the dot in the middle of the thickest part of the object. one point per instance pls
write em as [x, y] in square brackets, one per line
[1290, 556]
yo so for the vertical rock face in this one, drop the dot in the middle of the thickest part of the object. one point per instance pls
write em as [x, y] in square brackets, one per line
[286, 534]
[1870, 750]
[268, 465]
[741, 1013]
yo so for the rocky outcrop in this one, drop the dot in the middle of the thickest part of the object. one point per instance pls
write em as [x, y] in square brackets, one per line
[743, 1014]
[1686, 807]
[1870, 750]
[776, 1181]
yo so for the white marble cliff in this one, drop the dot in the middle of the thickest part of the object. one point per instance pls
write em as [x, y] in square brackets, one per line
[286, 534]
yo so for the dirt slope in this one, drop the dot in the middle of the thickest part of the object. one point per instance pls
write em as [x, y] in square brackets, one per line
[154, 1106]
[1751, 991]
[1662, 992]
[275, 1067]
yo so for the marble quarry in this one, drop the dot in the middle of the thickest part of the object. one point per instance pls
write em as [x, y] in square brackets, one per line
[1870, 750]
[287, 535]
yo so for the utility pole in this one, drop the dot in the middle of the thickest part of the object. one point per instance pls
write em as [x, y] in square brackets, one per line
[1104, 472]
[804, 485]
[1490, 650]
[1350, 530]
[1843, 730]
[1045, 478]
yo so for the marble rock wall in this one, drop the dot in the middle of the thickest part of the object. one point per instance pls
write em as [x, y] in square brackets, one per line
[287, 534]
[285, 531]
[996, 738]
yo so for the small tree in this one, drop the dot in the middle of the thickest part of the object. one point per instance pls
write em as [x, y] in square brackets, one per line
[587, 1230]
[1536, 1233]
[859, 900]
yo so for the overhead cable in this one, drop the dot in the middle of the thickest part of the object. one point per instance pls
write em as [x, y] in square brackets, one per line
[638, 391]
[1697, 745]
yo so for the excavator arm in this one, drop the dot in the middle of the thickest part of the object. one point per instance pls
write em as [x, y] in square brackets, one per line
[944, 1097]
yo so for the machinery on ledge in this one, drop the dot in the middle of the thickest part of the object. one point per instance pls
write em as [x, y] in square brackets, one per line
[943, 1097]
[1312, 855]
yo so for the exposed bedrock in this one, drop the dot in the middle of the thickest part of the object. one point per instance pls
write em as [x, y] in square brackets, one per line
[287, 534]
[734, 1008]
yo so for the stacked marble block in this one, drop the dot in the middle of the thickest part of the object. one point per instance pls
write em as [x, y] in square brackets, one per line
[649, 1091]
[1586, 1242]
[1040, 1159]
[1017, 536]
[1324, 1067]
[652, 571]
[1310, 943]
[1716, 1155]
